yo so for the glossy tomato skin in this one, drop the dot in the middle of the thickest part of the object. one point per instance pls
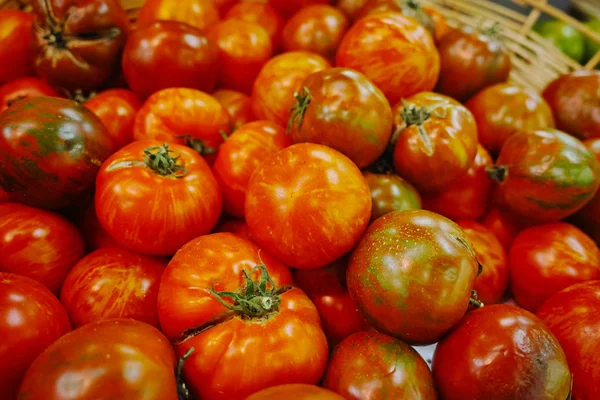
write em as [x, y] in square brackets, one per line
[307, 205]
[15, 44]
[113, 283]
[501, 352]
[409, 9]
[435, 160]
[547, 258]
[261, 13]
[572, 316]
[395, 52]
[240, 155]
[545, 175]
[412, 274]
[505, 108]
[237, 104]
[201, 14]
[374, 366]
[22, 88]
[78, 43]
[575, 103]
[351, 8]
[38, 244]
[94, 234]
[296, 392]
[480, 58]
[279, 79]
[42, 166]
[158, 213]
[504, 224]
[588, 218]
[390, 193]
[346, 112]
[118, 358]
[288, 7]
[169, 54]
[32, 318]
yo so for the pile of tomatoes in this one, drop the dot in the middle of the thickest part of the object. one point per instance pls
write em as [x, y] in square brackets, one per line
[229, 200]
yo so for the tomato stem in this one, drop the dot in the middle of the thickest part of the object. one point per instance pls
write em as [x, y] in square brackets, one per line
[413, 115]
[160, 161]
[474, 300]
[198, 145]
[303, 98]
[497, 173]
[183, 393]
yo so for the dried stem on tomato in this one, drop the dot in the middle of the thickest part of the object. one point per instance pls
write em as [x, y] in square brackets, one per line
[159, 160]
[474, 300]
[183, 393]
[413, 115]
[497, 173]
[303, 98]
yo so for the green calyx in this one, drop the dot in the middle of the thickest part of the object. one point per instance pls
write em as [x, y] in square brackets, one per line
[198, 145]
[417, 116]
[303, 98]
[160, 160]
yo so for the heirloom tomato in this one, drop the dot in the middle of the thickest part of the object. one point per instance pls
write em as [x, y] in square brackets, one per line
[504, 224]
[393, 51]
[410, 8]
[236, 226]
[307, 205]
[32, 319]
[238, 105]
[15, 44]
[295, 391]
[261, 13]
[436, 140]
[94, 234]
[201, 14]
[389, 193]
[153, 198]
[572, 316]
[24, 88]
[588, 218]
[288, 7]
[501, 352]
[116, 358]
[412, 274]
[439, 21]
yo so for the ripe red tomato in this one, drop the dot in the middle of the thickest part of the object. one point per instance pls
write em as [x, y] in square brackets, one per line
[436, 143]
[117, 109]
[389, 193]
[171, 197]
[117, 358]
[261, 13]
[23, 88]
[200, 14]
[237, 104]
[327, 289]
[318, 28]
[78, 44]
[478, 56]
[374, 366]
[505, 108]
[547, 258]
[588, 218]
[296, 392]
[244, 48]
[236, 226]
[168, 54]
[288, 7]
[412, 274]
[575, 103]
[50, 151]
[491, 284]
[393, 51]
[342, 109]
[545, 175]
[38, 244]
[113, 283]
[410, 8]
[501, 352]
[226, 283]
[94, 234]
[32, 318]
[15, 44]
[307, 205]
[504, 224]
[240, 155]
[572, 316]
[466, 198]
[280, 78]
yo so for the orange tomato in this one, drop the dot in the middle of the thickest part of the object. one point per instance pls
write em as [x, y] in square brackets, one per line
[288, 7]
[238, 105]
[439, 21]
[200, 14]
[261, 13]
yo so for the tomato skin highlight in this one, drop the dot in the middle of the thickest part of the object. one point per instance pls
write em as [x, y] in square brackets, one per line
[23, 88]
[298, 391]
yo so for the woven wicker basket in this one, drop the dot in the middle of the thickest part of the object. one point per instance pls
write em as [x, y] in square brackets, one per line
[535, 60]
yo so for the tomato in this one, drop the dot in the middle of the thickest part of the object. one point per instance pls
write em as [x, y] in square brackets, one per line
[244, 47]
[588, 218]
[50, 151]
[117, 358]
[171, 197]
[240, 155]
[351, 8]
[479, 57]
[288, 7]
[94, 234]
[393, 51]
[410, 8]
[564, 36]
[225, 5]
[575, 103]
[436, 143]
[117, 109]
[504, 224]
[200, 14]
[32, 318]
[501, 352]
[505, 108]
[493, 280]
[439, 21]
[260, 13]
[236, 226]
[467, 197]
[24, 88]
[279, 79]
[15, 44]
[373, 366]
[168, 54]
[545, 175]
[327, 289]
[572, 316]
[412, 274]
[221, 293]
[237, 104]
[78, 43]
[184, 116]
[318, 28]
[307, 205]
[296, 392]
[389, 193]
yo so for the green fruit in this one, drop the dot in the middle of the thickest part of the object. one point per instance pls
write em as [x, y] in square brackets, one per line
[591, 47]
[564, 36]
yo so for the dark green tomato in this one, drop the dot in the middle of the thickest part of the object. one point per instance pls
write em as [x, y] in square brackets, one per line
[564, 36]
[50, 151]
[412, 274]
[389, 193]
